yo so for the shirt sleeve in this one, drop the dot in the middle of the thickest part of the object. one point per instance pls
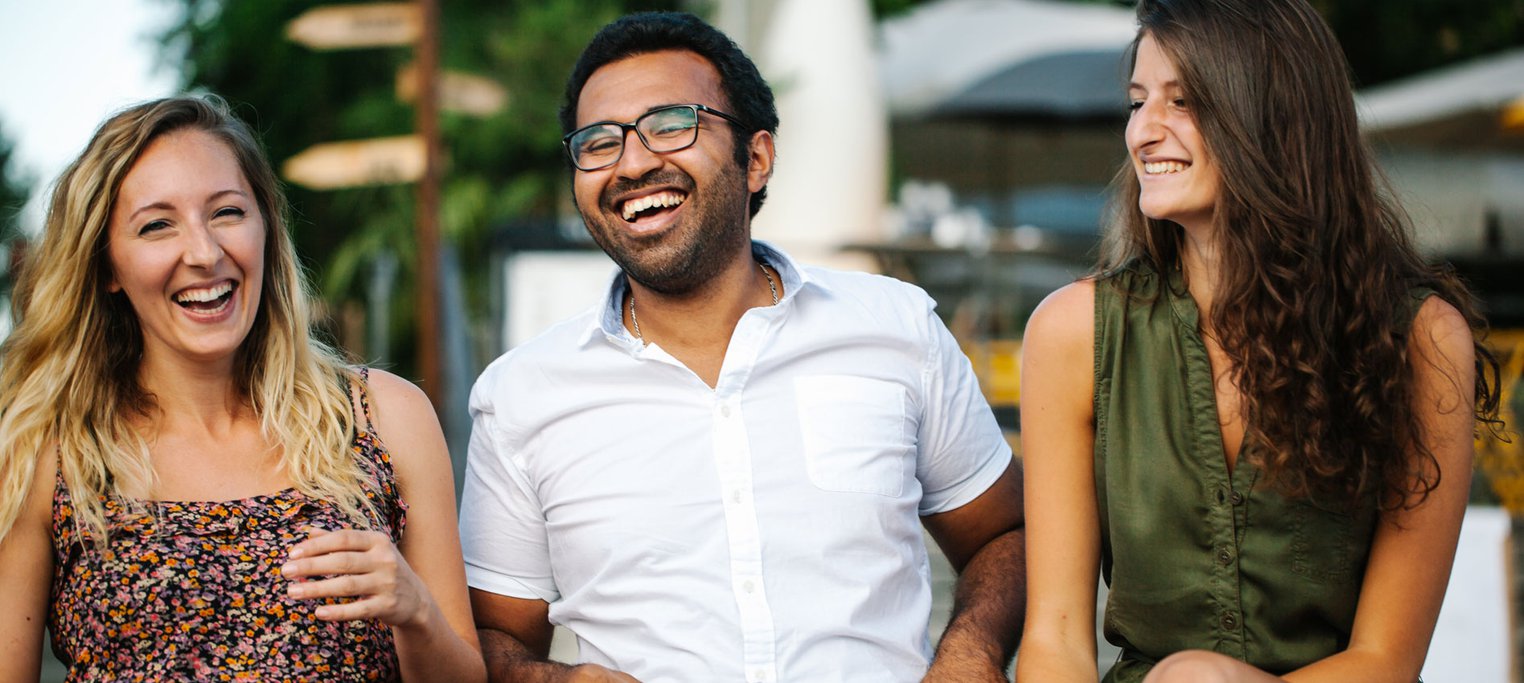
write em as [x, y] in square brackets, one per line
[502, 524]
[961, 449]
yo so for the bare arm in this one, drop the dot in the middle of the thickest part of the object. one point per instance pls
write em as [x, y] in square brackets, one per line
[1063, 529]
[986, 544]
[26, 569]
[1400, 598]
[418, 587]
[515, 635]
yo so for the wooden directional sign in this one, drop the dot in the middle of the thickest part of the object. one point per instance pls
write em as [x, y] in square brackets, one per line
[378, 161]
[458, 92]
[338, 27]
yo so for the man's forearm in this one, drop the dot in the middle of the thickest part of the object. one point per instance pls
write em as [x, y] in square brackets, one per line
[509, 661]
[988, 608]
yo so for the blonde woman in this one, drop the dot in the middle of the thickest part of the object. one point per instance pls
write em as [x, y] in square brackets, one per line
[191, 486]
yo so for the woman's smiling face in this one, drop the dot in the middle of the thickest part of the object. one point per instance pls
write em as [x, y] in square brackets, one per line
[186, 247]
[1177, 180]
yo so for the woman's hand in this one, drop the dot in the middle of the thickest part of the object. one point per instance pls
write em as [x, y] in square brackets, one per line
[362, 569]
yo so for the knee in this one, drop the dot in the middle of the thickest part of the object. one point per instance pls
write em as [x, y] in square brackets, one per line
[1192, 666]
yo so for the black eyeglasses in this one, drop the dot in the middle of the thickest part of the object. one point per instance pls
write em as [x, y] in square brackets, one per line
[669, 129]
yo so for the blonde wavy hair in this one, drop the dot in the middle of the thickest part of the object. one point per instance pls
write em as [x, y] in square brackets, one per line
[69, 370]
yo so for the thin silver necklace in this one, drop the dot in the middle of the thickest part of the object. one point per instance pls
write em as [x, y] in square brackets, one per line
[772, 286]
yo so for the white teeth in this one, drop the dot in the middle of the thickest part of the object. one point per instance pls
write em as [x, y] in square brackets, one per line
[661, 199]
[1157, 167]
[204, 295]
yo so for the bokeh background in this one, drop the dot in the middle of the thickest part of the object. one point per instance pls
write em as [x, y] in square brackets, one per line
[964, 145]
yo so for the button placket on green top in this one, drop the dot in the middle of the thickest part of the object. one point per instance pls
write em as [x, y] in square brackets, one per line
[1288, 593]
[1213, 469]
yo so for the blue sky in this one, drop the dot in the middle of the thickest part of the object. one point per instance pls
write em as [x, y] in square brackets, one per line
[67, 65]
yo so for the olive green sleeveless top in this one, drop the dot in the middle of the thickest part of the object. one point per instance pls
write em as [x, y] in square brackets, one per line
[1197, 557]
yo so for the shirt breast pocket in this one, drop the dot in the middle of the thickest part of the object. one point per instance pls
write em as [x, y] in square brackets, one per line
[854, 433]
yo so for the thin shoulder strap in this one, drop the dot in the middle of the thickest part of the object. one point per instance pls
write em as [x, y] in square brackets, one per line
[365, 399]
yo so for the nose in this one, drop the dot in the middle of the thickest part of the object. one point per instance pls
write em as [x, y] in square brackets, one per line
[1145, 126]
[202, 249]
[636, 160]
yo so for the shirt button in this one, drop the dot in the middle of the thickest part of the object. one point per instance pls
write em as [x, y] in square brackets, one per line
[1238, 498]
[748, 586]
[735, 496]
[1229, 621]
[758, 676]
[1224, 556]
[724, 410]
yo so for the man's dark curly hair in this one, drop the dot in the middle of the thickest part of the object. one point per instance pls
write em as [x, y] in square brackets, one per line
[749, 97]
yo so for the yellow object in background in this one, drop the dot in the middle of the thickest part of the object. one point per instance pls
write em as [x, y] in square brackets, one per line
[1513, 115]
[1503, 461]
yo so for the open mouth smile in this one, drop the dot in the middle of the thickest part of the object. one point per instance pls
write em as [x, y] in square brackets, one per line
[1164, 167]
[655, 204]
[209, 300]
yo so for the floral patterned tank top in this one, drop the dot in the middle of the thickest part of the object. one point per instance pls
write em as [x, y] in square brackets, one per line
[193, 591]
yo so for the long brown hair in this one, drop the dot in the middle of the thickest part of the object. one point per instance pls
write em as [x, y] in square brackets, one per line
[1317, 265]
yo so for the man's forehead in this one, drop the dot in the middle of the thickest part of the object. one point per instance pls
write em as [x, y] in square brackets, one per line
[624, 89]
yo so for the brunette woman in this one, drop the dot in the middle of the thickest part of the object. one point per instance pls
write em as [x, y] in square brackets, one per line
[1256, 420]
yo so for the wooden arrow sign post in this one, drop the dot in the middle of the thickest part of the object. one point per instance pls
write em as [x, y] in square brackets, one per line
[377, 161]
[426, 52]
[389, 159]
[342, 27]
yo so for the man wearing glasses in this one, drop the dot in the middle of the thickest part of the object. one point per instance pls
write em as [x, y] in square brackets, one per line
[721, 472]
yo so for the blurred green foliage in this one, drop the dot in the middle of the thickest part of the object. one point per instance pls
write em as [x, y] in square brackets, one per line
[13, 196]
[13, 188]
[1395, 38]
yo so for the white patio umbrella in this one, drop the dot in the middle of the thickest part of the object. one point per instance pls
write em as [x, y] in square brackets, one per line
[943, 48]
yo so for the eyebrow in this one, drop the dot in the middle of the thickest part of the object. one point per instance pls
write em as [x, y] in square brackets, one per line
[1134, 85]
[648, 110]
[165, 206]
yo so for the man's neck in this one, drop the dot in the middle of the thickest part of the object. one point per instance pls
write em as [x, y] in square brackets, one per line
[696, 326]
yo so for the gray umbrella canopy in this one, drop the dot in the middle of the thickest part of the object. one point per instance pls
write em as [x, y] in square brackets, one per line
[1467, 106]
[1073, 86]
[945, 47]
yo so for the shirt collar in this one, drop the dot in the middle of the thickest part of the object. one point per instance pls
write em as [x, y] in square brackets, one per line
[608, 321]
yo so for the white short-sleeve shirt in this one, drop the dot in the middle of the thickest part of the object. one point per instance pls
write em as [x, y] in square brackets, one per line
[767, 529]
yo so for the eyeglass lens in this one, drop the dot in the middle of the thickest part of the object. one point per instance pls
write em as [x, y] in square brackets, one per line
[663, 130]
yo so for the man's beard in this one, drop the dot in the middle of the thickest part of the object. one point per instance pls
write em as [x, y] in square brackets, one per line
[690, 254]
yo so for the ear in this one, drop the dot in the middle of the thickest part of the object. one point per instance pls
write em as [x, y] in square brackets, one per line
[759, 168]
[112, 287]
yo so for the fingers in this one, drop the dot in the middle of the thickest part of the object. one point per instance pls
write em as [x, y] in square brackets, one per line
[374, 607]
[360, 574]
[345, 586]
[348, 551]
[321, 541]
[342, 562]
